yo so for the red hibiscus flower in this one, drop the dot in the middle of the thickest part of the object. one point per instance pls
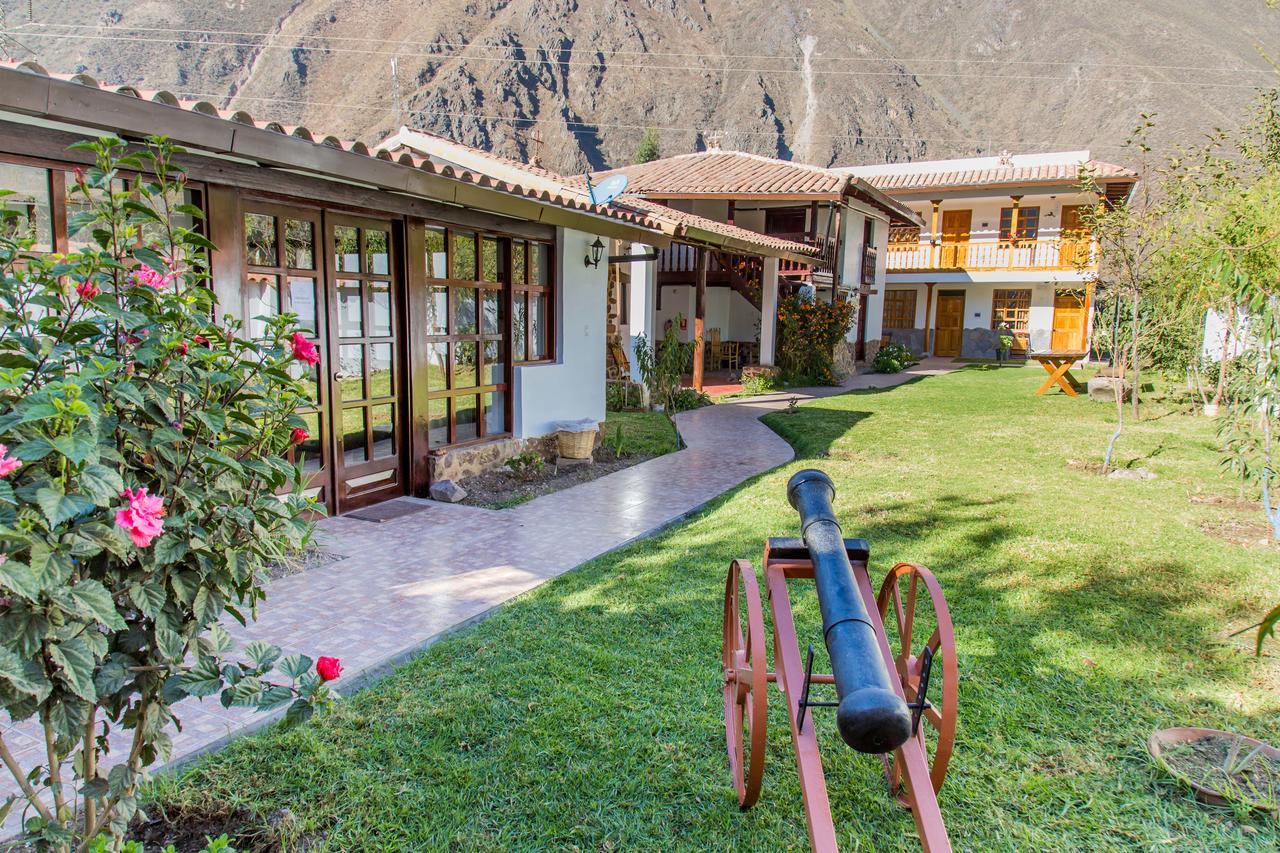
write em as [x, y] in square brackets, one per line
[86, 290]
[328, 668]
[298, 435]
[304, 350]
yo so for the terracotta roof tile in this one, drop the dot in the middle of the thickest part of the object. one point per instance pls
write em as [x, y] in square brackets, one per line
[728, 172]
[1051, 173]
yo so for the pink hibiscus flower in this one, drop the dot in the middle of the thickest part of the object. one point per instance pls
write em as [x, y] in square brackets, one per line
[304, 350]
[7, 463]
[143, 517]
[147, 277]
[86, 290]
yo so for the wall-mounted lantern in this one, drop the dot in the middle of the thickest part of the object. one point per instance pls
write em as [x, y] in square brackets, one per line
[597, 252]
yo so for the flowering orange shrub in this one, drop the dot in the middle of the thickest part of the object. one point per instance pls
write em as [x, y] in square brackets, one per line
[808, 331]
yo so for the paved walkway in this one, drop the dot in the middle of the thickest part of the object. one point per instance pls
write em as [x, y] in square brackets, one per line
[396, 587]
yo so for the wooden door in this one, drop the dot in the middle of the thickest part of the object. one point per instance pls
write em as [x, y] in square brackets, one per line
[366, 387]
[1073, 239]
[1068, 322]
[955, 238]
[950, 330]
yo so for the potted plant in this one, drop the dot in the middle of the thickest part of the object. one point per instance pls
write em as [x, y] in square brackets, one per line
[1005, 341]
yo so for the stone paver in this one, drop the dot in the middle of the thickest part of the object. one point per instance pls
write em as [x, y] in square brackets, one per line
[398, 586]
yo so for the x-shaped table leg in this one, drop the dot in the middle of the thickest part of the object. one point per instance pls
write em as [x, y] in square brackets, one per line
[1059, 372]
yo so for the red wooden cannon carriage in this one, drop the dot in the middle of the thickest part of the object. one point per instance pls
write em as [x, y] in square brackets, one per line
[893, 660]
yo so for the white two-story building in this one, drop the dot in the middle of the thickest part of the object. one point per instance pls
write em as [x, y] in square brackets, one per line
[1006, 244]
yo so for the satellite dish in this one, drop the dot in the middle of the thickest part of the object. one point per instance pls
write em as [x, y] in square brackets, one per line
[609, 189]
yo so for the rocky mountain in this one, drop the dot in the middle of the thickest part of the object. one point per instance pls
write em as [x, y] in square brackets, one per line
[576, 82]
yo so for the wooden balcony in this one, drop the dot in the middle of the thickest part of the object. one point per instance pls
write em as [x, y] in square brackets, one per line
[1068, 255]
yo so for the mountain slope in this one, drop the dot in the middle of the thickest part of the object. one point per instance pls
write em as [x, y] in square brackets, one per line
[884, 80]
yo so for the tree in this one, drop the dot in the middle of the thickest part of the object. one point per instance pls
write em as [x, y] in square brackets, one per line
[144, 489]
[649, 148]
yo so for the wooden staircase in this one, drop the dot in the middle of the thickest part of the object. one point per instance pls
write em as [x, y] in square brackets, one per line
[746, 275]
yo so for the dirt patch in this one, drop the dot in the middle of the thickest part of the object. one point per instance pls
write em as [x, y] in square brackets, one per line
[1252, 534]
[1224, 501]
[313, 557]
[1229, 767]
[500, 489]
[1088, 466]
[189, 829]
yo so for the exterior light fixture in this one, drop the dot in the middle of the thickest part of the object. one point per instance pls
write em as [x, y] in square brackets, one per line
[597, 252]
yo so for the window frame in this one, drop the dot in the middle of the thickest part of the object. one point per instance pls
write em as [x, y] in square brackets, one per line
[1006, 304]
[525, 291]
[1025, 234]
[895, 310]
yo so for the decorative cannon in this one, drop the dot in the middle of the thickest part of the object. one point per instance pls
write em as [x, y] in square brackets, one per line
[892, 698]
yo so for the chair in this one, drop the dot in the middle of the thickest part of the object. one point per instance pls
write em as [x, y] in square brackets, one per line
[715, 349]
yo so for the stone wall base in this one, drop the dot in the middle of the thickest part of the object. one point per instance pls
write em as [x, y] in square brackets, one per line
[843, 361]
[457, 463]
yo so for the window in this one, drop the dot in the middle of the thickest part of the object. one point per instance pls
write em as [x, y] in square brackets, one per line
[904, 235]
[1028, 224]
[531, 301]
[32, 200]
[1012, 308]
[467, 387]
[900, 309]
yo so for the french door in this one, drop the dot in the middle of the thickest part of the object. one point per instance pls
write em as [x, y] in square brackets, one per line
[366, 383]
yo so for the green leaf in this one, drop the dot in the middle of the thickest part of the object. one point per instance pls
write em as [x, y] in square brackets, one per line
[147, 597]
[60, 508]
[102, 484]
[95, 601]
[77, 448]
[1268, 626]
[77, 664]
[112, 675]
[296, 666]
[170, 643]
[128, 392]
[203, 679]
[24, 676]
[299, 712]
[20, 578]
[6, 494]
[169, 548]
[264, 655]
[151, 259]
[52, 567]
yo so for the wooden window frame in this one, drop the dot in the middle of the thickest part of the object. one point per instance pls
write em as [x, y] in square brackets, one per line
[522, 290]
[1012, 305]
[895, 308]
[1025, 234]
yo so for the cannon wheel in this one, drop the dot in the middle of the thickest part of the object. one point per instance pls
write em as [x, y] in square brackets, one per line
[903, 608]
[745, 681]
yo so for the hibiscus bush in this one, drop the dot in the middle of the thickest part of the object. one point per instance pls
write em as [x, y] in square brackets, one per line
[808, 331]
[145, 486]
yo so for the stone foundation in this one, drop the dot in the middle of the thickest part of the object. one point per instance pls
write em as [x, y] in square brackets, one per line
[843, 360]
[458, 463]
[912, 339]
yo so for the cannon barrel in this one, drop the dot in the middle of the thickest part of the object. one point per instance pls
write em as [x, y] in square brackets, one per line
[871, 717]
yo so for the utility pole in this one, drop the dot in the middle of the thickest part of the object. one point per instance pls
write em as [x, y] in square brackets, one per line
[395, 94]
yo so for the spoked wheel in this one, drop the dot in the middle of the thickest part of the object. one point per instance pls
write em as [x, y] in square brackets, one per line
[745, 681]
[916, 618]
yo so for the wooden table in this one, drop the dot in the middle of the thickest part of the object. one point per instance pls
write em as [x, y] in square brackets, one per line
[1058, 366]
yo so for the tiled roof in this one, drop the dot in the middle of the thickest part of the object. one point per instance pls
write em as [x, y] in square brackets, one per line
[299, 133]
[914, 176]
[679, 220]
[717, 172]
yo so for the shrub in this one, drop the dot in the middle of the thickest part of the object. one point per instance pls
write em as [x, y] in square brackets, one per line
[526, 466]
[892, 358]
[760, 383]
[662, 365]
[686, 399]
[808, 331]
[144, 488]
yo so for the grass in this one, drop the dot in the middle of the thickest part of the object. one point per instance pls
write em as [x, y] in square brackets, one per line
[643, 433]
[587, 714]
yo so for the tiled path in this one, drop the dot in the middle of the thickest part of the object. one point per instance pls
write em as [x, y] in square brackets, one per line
[400, 585]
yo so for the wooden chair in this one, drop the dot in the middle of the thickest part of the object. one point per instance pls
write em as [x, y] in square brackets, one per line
[715, 349]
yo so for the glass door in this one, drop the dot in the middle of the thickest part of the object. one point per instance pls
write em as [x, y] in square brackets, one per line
[367, 386]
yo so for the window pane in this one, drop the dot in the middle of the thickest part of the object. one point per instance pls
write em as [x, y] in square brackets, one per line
[495, 372]
[380, 308]
[260, 248]
[309, 376]
[436, 266]
[437, 423]
[301, 297]
[495, 413]
[437, 367]
[517, 261]
[520, 319]
[382, 418]
[351, 371]
[299, 244]
[380, 372]
[539, 263]
[346, 248]
[309, 450]
[354, 443]
[490, 260]
[32, 203]
[260, 294]
[464, 256]
[377, 251]
[350, 309]
[464, 311]
[492, 312]
[79, 212]
[465, 412]
[464, 364]
[537, 326]
[438, 311]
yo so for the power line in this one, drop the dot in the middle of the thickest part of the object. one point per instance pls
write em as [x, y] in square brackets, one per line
[647, 67]
[719, 56]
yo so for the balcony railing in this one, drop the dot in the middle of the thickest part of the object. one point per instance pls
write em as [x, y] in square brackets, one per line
[681, 258]
[1056, 254]
[825, 262]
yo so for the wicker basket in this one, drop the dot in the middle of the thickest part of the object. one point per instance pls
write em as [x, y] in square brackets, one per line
[576, 445]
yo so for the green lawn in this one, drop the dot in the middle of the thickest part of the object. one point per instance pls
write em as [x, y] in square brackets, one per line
[587, 714]
[643, 433]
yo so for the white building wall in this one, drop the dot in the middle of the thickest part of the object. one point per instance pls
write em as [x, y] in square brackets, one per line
[572, 386]
[875, 302]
